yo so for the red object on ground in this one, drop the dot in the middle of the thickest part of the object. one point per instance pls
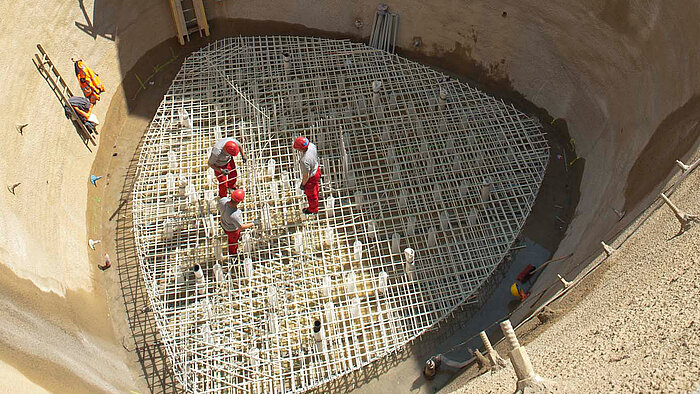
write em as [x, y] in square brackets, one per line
[301, 143]
[108, 263]
[233, 237]
[525, 274]
[311, 190]
[227, 181]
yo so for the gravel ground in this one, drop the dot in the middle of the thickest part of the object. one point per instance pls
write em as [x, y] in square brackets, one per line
[637, 329]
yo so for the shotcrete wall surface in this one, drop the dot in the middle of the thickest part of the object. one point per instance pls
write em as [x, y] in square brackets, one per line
[621, 74]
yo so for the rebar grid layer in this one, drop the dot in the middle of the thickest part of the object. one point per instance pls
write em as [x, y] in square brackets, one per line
[415, 160]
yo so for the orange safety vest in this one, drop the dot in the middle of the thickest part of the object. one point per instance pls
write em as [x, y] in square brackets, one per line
[89, 81]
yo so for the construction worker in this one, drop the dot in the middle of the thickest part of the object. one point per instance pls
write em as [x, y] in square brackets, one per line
[89, 81]
[221, 160]
[232, 219]
[518, 292]
[83, 108]
[310, 172]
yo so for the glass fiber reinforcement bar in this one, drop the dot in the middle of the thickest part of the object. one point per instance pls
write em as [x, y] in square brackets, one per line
[410, 159]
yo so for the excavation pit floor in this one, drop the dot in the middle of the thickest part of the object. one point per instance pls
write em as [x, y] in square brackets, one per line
[137, 307]
[426, 185]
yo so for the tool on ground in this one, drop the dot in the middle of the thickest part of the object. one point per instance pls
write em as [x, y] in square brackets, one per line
[94, 178]
[108, 263]
[13, 187]
[20, 128]
[93, 242]
[433, 364]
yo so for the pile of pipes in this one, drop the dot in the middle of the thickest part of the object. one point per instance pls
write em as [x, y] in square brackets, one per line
[384, 29]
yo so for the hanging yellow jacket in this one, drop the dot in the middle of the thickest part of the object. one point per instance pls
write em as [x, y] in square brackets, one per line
[89, 81]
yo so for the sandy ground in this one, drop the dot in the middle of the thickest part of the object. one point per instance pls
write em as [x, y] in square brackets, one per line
[634, 325]
[618, 72]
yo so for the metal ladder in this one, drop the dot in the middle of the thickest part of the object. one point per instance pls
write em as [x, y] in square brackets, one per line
[47, 70]
[189, 17]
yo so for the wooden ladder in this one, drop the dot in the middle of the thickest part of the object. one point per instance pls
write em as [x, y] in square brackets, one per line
[189, 17]
[47, 70]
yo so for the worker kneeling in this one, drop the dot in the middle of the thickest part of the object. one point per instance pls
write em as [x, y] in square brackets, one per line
[310, 172]
[221, 161]
[232, 219]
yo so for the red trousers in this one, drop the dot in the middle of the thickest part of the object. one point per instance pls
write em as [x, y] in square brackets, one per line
[227, 181]
[311, 190]
[233, 237]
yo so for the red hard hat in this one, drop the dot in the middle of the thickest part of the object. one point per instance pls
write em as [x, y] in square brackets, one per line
[301, 143]
[238, 195]
[231, 148]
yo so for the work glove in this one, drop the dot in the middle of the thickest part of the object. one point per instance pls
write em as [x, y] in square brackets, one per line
[301, 186]
[224, 171]
[256, 222]
[244, 159]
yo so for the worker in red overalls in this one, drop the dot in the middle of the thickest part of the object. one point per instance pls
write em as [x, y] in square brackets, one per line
[89, 81]
[221, 160]
[310, 172]
[232, 219]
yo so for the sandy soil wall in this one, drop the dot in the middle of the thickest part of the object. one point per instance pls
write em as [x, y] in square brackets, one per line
[621, 73]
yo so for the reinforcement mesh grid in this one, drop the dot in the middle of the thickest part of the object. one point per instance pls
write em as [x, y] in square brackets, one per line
[410, 159]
